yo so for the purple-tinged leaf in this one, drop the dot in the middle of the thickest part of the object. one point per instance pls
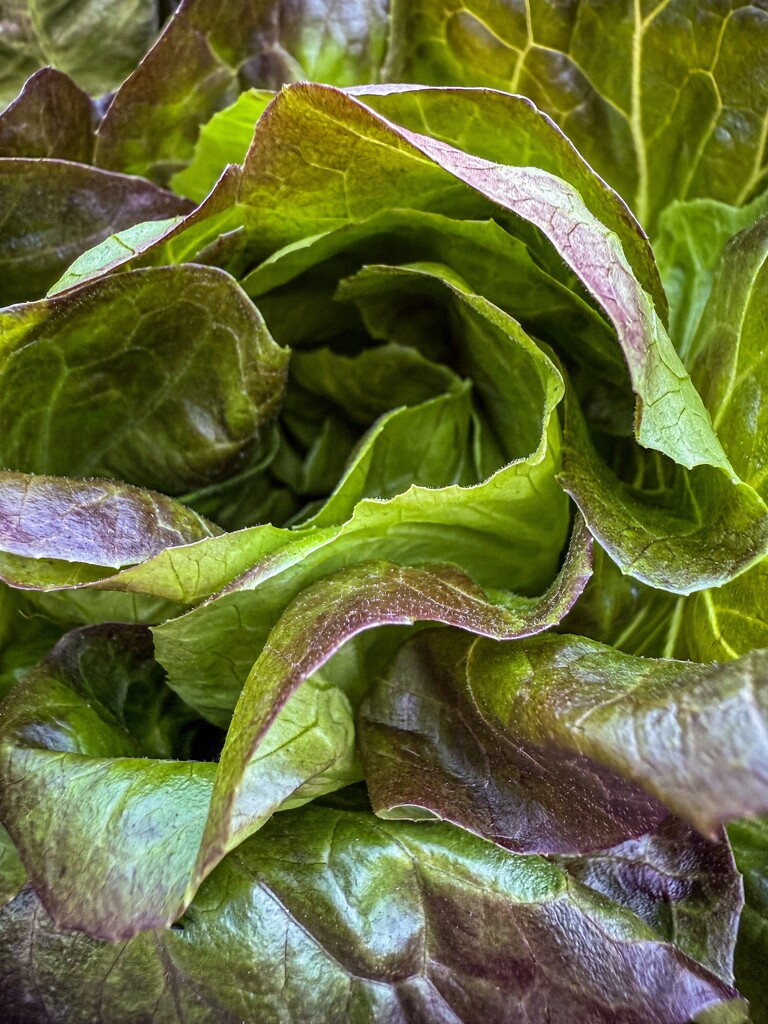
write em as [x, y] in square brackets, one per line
[54, 210]
[684, 886]
[59, 532]
[324, 616]
[427, 752]
[104, 804]
[694, 736]
[210, 52]
[334, 915]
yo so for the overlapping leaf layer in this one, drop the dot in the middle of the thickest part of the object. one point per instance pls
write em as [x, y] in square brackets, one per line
[382, 514]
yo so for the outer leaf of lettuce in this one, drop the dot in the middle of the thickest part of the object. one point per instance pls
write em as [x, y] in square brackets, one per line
[208, 54]
[696, 908]
[106, 821]
[507, 129]
[55, 210]
[115, 379]
[427, 751]
[694, 736]
[51, 117]
[97, 43]
[674, 107]
[750, 846]
[330, 914]
[59, 532]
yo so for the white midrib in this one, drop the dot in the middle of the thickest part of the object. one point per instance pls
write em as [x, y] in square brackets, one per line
[636, 117]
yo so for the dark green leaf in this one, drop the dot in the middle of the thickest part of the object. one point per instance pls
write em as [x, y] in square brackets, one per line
[115, 379]
[750, 845]
[51, 117]
[332, 915]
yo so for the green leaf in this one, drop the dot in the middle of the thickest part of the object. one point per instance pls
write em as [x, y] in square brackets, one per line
[223, 140]
[366, 920]
[26, 636]
[691, 238]
[55, 210]
[676, 107]
[509, 129]
[696, 530]
[114, 379]
[750, 846]
[106, 820]
[51, 117]
[98, 43]
[324, 616]
[208, 54]
[729, 351]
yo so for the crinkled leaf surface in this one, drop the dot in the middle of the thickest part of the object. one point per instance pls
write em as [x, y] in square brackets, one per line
[105, 816]
[209, 53]
[675, 107]
[54, 210]
[57, 532]
[116, 379]
[51, 117]
[427, 751]
[694, 736]
[98, 43]
[334, 914]
[685, 886]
